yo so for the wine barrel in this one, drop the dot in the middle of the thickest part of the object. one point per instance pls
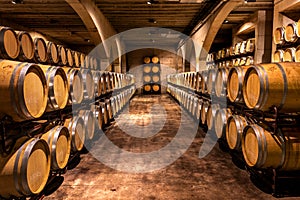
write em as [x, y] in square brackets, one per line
[147, 88]
[23, 90]
[57, 83]
[227, 53]
[102, 83]
[88, 84]
[274, 84]
[235, 83]
[278, 55]
[89, 123]
[198, 109]
[104, 111]
[96, 78]
[147, 60]
[297, 54]
[211, 114]
[98, 115]
[62, 55]
[243, 48]
[147, 69]
[52, 53]
[243, 61]
[114, 106]
[70, 57]
[77, 132]
[59, 141]
[109, 109]
[236, 62]
[76, 56]
[249, 60]
[289, 55]
[108, 82]
[204, 81]
[9, 43]
[155, 68]
[155, 78]
[221, 82]
[232, 51]
[198, 82]
[75, 85]
[155, 59]
[82, 60]
[40, 50]
[278, 35]
[237, 48]
[211, 81]
[250, 46]
[26, 46]
[234, 131]
[290, 33]
[25, 171]
[221, 120]
[264, 149]
[147, 78]
[204, 108]
[155, 88]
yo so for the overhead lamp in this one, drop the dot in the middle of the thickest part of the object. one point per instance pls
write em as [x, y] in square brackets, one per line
[149, 2]
[16, 1]
[226, 21]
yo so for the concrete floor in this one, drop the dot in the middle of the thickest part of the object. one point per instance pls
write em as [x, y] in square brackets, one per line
[189, 177]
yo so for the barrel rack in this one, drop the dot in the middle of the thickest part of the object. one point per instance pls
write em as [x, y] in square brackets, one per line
[34, 128]
[272, 181]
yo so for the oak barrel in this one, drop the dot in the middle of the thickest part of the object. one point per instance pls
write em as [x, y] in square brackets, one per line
[155, 59]
[57, 83]
[147, 69]
[204, 108]
[40, 50]
[23, 90]
[59, 141]
[96, 78]
[211, 114]
[147, 88]
[77, 131]
[234, 131]
[249, 60]
[109, 109]
[82, 60]
[9, 43]
[62, 54]
[104, 111]
[274, 84]
[221, 82]
[26, 46]
[221, 120]
[264, 149]
[155, 68]
[278, 35]
[290, 34]
[278, 55]
[147, 78]
[88, 84]
[237, 48]
[289, 55]
[76, 56]
[211, 77]
[70, 57]
[52, 53]
[235, 83]
[75, 85]
[25, 171]
[250, 45]
[155, 78]
[297, 54]
[147, 60]
[89, 123]
[156, 87]
[243, 48]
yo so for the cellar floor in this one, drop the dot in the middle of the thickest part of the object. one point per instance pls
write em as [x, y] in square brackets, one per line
[189, 177]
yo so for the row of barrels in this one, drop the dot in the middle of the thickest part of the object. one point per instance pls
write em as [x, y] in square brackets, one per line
[29, 89]
[261, 147]
[287, 34]
[291, 54]
[258, 86]
[153, 59]
[25, 171]
[239, 49]
[235, 62]
[24, 46]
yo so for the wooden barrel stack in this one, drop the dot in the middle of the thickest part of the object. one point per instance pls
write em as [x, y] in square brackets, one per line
[43, 88]
[151, 75]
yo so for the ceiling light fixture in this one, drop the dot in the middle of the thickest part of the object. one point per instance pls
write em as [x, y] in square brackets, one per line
[16, 1]
[149, 2]
[226, 21]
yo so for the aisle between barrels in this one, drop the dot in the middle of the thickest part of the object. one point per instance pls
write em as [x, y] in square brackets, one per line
[189, 177]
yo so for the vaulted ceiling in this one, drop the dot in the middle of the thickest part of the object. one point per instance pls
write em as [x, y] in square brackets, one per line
[57, 19]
